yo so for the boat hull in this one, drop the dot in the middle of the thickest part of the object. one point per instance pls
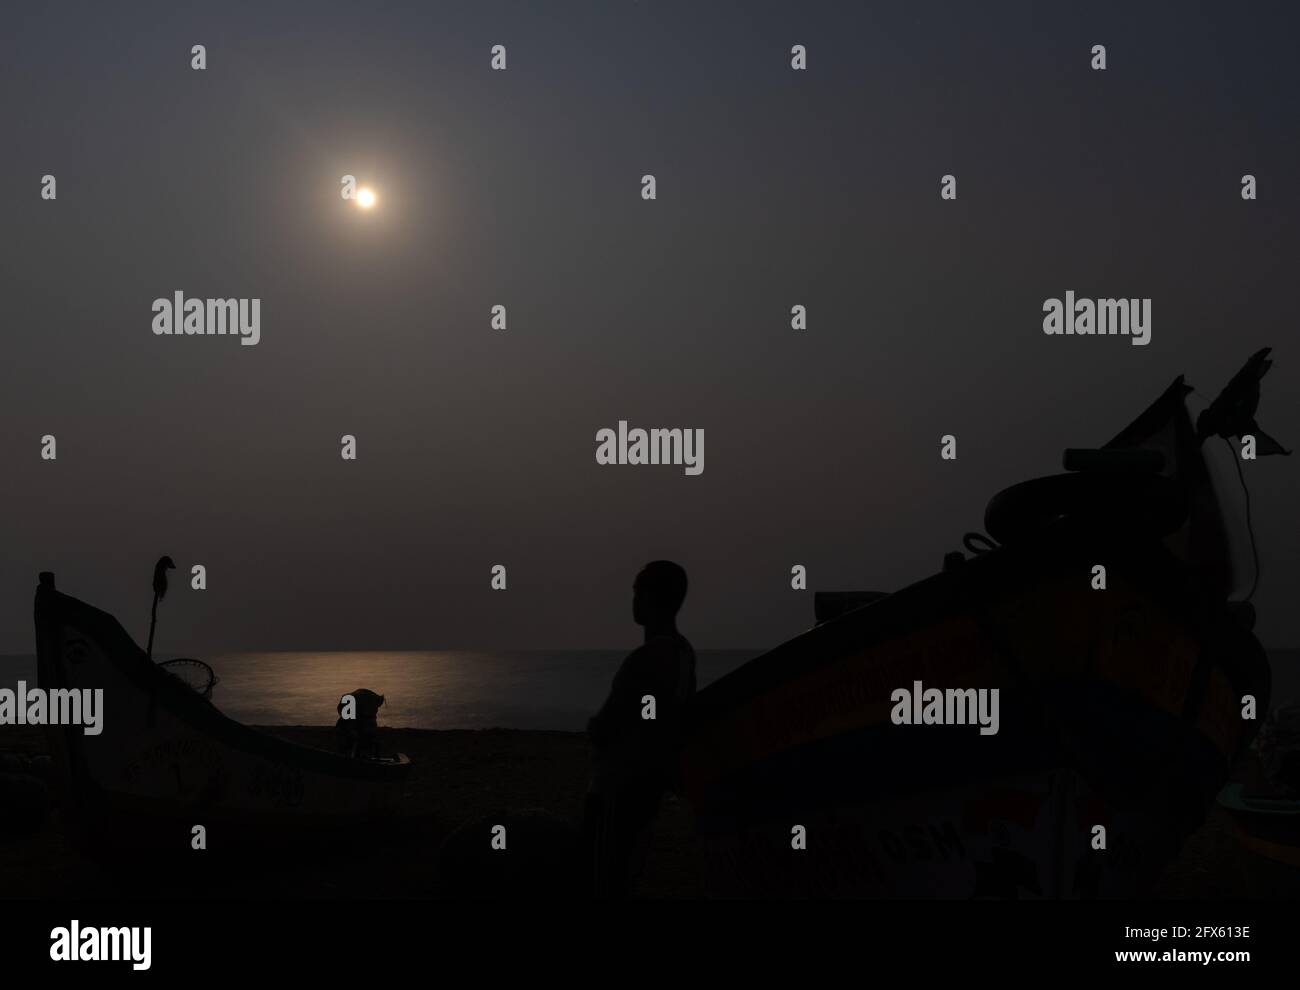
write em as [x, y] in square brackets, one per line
[167, 759]
[1119, 708]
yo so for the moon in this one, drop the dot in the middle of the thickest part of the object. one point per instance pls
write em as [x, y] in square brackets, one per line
[365, 198]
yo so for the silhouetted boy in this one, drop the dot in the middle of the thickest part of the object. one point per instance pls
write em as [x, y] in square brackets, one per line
[634, 756]
[359, 736]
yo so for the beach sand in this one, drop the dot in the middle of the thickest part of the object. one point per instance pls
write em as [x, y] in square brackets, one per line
[458, 777]
[473, 775]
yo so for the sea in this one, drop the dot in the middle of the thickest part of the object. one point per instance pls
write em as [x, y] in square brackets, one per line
[460, 689]
[431, 689]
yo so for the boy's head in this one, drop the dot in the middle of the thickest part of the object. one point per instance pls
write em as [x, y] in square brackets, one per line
[658, 593]
[366, 705]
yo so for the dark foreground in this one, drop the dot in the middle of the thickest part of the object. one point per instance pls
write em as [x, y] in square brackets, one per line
[462, 777]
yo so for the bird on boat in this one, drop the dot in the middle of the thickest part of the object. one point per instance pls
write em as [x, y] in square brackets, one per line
[1232, 414]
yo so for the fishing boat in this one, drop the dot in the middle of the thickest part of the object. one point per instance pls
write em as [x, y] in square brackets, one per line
[1122, 699]
[165, 759]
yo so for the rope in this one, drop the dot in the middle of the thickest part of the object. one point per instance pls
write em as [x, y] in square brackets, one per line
[1250, 526]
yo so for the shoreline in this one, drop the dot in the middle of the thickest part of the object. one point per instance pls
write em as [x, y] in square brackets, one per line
[458, 776]
[464, 775]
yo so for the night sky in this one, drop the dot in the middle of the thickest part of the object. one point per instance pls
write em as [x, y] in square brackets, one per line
[522, 188]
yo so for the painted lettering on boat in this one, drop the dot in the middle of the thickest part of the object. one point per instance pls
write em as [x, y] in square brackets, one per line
[169, 753]
[757, 861]
[279, 785]
[931, 843]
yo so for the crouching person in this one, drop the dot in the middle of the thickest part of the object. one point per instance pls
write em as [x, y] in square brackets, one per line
[357, 728]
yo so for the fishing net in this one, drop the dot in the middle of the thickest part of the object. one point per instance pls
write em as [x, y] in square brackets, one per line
[195, 673]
